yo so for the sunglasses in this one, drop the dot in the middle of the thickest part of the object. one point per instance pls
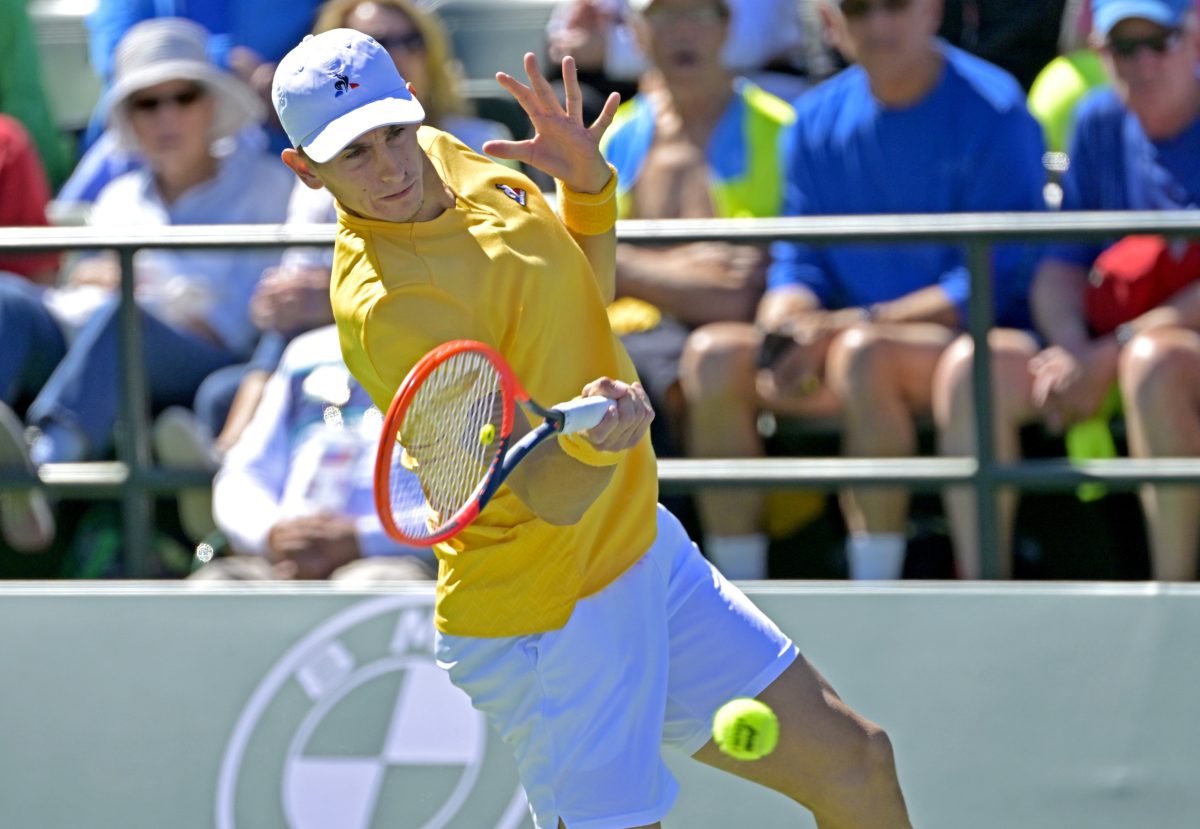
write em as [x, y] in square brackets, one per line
[183, 100]
[1128, 47]
[411, 42]
[861, 8]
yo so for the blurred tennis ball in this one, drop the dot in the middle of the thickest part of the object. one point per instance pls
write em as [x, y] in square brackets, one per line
[204, 552]
[745, 729]
[487, 434]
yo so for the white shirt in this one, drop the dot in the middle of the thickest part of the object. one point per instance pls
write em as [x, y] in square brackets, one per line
[213, 286]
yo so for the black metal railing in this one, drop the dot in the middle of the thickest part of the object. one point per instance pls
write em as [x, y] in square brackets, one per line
[134, 479]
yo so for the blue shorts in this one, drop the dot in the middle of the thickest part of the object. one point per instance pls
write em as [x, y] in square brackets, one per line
[645, 662]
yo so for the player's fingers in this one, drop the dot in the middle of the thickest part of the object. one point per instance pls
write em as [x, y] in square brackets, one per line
[632, 417]
[538, 83]
[571, 91]
[511, 150]
[641, 413]
[605, 118]
[523, 94]
[606, 387]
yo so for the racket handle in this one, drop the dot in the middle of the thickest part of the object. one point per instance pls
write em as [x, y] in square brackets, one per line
[582, 413]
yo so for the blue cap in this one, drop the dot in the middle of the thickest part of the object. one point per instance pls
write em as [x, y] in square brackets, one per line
[1108, 13]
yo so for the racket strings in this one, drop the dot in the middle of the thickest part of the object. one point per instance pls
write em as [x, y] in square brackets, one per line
[449, 438]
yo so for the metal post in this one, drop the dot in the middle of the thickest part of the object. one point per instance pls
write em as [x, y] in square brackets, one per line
[980, 315]
[132, 438]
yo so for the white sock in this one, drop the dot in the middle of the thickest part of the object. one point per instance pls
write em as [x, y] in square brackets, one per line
[875, 555]
[738, 557]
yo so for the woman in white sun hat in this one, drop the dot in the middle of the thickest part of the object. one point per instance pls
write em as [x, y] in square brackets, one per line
[175, 108]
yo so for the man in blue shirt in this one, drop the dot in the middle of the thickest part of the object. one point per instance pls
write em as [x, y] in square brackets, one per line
[1136, 146]
[916, 126]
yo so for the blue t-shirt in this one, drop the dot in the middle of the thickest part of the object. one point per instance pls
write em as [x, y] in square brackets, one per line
[969, 146]
[1115, 166]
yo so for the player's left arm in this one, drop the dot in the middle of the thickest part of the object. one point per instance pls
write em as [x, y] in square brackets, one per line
[560, 479]
[569, 150]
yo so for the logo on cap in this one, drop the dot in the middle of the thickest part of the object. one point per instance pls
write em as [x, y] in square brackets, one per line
[343, 84]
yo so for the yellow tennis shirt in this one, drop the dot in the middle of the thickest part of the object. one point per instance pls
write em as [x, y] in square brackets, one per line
[499, 268]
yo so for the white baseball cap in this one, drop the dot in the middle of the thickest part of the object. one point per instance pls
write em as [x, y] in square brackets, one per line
[334, 87]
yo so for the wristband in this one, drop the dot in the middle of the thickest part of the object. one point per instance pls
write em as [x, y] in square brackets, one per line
[589, 214]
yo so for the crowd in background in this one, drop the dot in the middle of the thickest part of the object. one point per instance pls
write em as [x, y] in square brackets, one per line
[732, 108]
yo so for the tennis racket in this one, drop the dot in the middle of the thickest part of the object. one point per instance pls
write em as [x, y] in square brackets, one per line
[445, 445]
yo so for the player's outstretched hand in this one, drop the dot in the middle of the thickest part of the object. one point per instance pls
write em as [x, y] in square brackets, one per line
[563, 146]
[627, 420]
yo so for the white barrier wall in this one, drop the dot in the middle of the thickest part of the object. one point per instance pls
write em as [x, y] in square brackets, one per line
[317, 708]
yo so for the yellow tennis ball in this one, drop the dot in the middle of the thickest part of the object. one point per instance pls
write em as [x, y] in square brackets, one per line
[487, 434]
[746, 729]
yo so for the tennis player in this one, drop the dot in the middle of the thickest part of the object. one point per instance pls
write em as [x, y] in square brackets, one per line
[575, 612]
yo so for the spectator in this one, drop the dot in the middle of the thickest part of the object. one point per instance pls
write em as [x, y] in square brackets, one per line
[696, 144]
[24, 194]
[917, 126]
[294, 497]
[246, 39]
[172, 104]
[1136, 146]
[21, 93]
[765, 41]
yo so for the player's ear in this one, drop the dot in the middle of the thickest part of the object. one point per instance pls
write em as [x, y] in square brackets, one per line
[299, 165]
[412, 90]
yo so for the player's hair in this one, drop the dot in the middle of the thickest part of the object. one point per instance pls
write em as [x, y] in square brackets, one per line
[444, 97]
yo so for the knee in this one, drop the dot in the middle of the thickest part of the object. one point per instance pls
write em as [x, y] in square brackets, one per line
[952, 381]
[1156, 366]
[857, 363]
[717, 363]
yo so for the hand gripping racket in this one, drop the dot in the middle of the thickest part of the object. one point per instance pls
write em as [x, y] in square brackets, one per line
[444, 449]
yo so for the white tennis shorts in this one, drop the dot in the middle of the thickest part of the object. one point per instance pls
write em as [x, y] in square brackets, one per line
[645, 662]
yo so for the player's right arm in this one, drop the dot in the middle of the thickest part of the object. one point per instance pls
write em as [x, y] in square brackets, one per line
[560, 479]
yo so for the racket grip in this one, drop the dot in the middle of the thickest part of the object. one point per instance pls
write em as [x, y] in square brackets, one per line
[582, 413]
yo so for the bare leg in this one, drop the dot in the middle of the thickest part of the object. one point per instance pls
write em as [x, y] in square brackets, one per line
[954, 411]
[1160, 386]
[882, 375]
[829, 758]
[717, 375]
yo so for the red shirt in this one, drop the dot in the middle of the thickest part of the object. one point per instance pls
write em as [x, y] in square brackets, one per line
[24, 192]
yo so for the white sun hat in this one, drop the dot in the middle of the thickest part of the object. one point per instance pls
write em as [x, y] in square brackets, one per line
[338, 85]
[172, 49]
